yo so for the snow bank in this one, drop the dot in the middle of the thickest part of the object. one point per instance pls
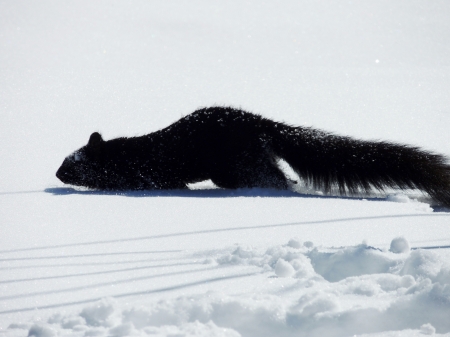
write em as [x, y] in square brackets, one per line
[301, 291]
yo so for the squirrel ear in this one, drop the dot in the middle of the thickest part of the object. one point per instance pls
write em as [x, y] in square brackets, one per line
[95, 140]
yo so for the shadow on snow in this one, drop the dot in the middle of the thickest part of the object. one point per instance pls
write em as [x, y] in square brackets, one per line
[209, 231]
[136, 293]
[200, 193]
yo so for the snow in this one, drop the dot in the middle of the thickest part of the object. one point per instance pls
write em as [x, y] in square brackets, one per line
[427, 329]
[399, 245]
[294, 291]
[283, 268]
[211, 262]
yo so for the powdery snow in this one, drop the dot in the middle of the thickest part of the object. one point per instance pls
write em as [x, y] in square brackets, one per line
[298, 291]
[211, 262]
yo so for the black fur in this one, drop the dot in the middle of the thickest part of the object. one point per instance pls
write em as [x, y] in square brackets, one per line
[237, 149]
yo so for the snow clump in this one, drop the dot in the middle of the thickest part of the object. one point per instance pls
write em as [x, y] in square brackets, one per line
[284, 269]
[39, 330]
[402, 198]
[427, 329]
[398, 198]
[399, 245]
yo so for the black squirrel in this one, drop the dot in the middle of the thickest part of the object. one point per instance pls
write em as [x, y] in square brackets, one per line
[238, 149]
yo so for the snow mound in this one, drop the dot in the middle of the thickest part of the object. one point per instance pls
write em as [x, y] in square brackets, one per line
[99, 314]
[300, 260]
[39, 330]
[301, 290]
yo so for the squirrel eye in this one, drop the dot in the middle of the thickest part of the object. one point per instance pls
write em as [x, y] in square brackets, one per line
[77, 157]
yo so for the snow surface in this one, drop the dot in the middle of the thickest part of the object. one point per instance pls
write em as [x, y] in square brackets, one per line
[210, 262]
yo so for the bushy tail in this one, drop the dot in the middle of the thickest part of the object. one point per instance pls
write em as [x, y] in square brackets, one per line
[328, 160]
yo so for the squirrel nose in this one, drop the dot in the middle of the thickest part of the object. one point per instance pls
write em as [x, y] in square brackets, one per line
[60, 174]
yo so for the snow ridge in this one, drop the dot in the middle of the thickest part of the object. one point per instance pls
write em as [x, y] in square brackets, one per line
[300, 290]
